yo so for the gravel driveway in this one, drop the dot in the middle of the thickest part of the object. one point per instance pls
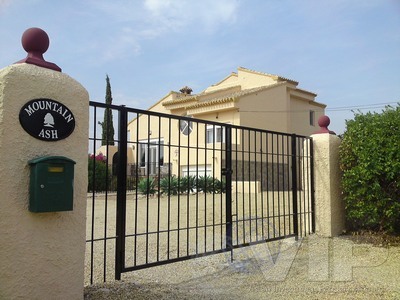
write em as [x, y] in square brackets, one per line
[312, 268]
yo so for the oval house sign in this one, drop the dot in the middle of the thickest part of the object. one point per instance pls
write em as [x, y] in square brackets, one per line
[47, 119]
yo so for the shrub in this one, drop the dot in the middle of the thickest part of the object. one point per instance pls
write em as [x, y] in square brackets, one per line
[219, 186]
[204, 184]
[147, 186]
[208, 184]
[370, 161]
[187, 184]
[98, 173]
[169, 185]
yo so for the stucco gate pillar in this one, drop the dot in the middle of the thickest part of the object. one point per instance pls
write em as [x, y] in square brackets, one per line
[43, 112]
[329, 205]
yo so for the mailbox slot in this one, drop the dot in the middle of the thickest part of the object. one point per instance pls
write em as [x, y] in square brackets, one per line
[51, 184]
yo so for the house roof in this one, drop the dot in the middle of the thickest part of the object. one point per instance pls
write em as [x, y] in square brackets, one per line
[276, 77]
[194, 101]
[196, 97]
[212, 102]
[233, 96]
[206, 98]
[184, 99]
[303, 91]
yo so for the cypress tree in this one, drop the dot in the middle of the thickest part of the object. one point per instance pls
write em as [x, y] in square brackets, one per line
[107, 137]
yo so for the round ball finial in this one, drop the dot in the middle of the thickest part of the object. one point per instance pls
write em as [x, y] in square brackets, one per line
[35, 40]
[323, 123]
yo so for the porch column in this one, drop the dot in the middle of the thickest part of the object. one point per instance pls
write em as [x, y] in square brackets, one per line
[43, 113]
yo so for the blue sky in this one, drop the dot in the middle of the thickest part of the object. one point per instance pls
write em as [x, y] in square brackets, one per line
[346, 51]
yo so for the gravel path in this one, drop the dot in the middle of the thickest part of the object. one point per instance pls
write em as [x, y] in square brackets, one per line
[312, 268]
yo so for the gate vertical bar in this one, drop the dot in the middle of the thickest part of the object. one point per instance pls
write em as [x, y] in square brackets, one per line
[311, 174]
[228, 198]
[121, 192]
[294, 187]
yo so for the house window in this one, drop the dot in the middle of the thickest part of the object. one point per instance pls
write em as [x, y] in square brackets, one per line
[142, 154]
[312, 118]
[151, 155]
[199, 170]
[215, 133]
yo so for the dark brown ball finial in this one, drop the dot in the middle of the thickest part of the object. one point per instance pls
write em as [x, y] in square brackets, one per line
[35, 41]
[323, 123]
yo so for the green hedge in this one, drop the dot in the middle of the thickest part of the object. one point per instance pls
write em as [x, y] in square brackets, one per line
[177, 185]
[370, 161]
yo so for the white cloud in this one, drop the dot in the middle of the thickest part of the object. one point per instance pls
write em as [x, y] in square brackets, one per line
[155, 18]
[158, 5]
[207, 14]
[4, 4]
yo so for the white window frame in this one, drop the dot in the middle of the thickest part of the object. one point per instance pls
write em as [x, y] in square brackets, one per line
[153, 144]
[193, 170]
[212, 132]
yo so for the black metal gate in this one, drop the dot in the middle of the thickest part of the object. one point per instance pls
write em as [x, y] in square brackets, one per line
[175, 188]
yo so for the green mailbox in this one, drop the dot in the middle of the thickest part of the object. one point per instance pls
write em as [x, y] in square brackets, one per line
[51, 184]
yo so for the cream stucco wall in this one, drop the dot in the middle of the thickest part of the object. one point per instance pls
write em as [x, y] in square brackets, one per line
[245, 78]
[227, 82]
[329, 205]
[250, 79]
[41, 254]
[266, 109]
